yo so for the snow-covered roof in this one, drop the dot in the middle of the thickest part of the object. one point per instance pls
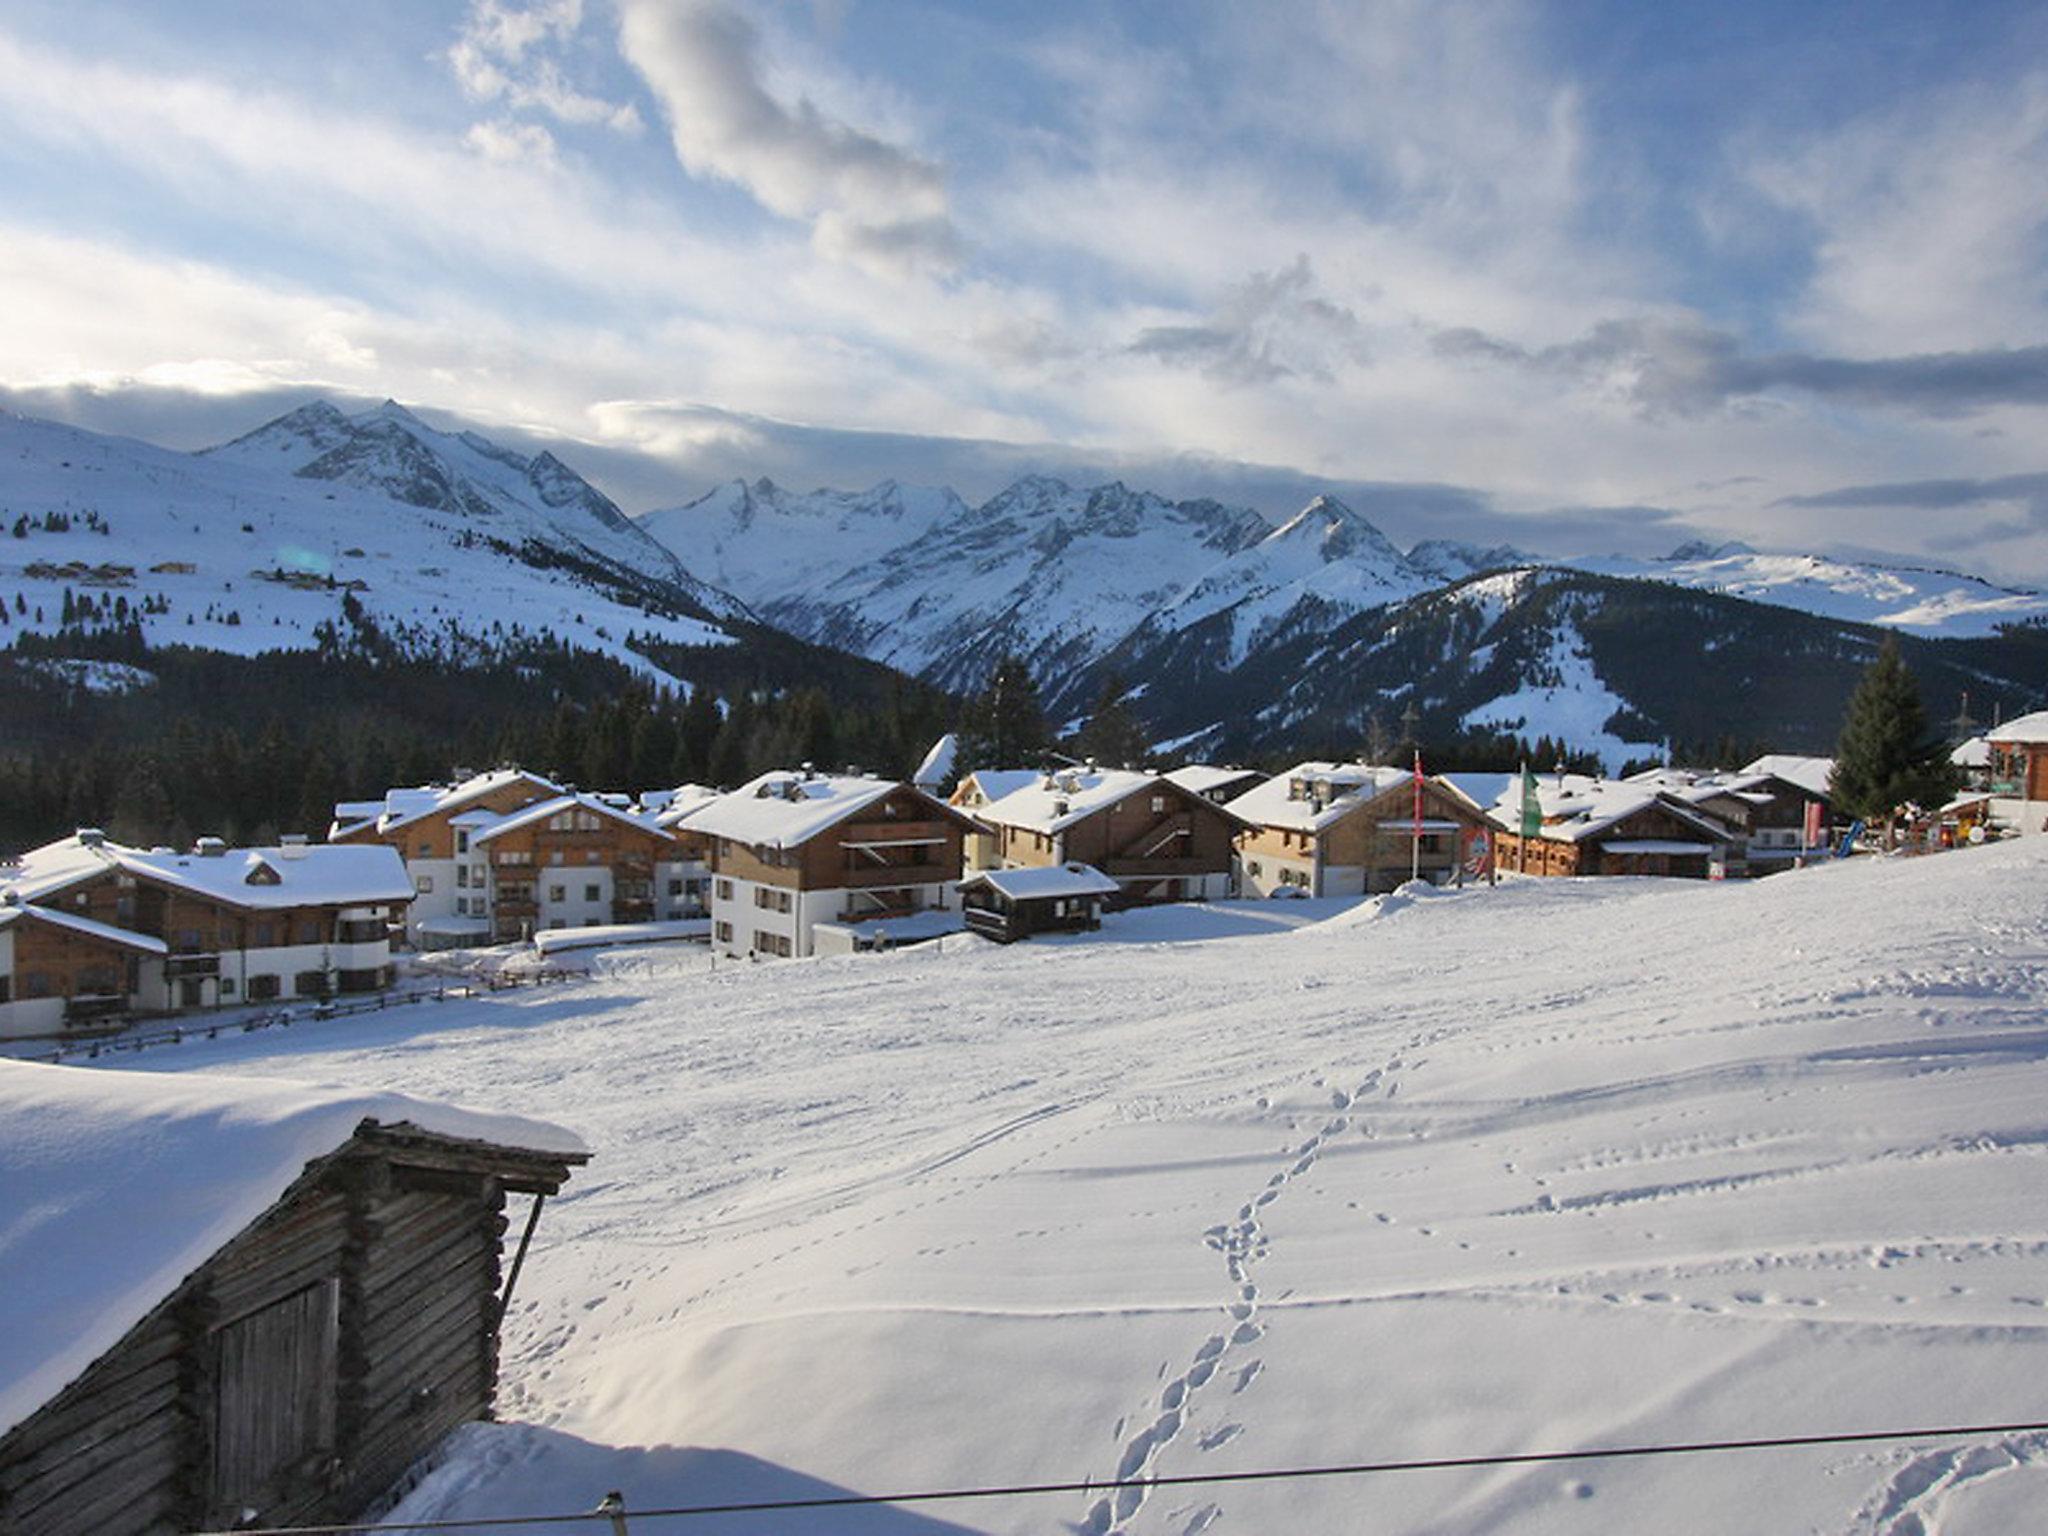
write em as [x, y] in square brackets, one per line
[1974, 753]
[1577, 806]
[985, 785]
[782, 809]
[1671, 846]
[88, 927]
[305, 874]
[121, 1184]
[540, 810]
[1200, 778]
[1053, 881]
[683, 802]
[2027, 729]
[310, 874]
[1809, 773]
[937, 766]
[1054, 802]
[1311, 796]
[402, 806]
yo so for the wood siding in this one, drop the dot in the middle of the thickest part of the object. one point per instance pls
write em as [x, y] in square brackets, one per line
[301, 1371]
[1187, 838]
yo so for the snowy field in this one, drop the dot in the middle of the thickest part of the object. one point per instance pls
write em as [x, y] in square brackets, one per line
[1554, 1165]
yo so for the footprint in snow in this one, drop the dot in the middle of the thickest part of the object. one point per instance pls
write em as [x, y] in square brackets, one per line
[1217, 1438]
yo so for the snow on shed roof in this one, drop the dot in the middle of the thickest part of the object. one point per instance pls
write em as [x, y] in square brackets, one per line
[2028, 729]
[1074, 795]
[1974, 753]
[1291, 799]
[1053, 881]
[783, 809]
[121, 1184]
[680, 804]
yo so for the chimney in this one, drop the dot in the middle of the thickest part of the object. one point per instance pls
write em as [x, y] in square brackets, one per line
[91, 837]
[210, 847]
[292, 845]
[1088, 764]
[1059, 807]
[808, 770]
[10, 898]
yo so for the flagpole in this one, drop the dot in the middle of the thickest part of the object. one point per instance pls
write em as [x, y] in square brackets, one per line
[1415, 842]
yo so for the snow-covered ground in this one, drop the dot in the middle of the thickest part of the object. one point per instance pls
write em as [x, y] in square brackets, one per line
[1558, 1164]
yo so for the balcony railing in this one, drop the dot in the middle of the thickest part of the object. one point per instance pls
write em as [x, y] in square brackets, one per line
[896, 874]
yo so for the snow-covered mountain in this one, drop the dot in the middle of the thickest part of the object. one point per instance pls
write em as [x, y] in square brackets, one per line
[447, 543]
[1917, 599]
[771, 545]
[1047, 570]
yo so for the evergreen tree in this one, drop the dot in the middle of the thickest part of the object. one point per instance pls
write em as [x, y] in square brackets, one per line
[1004, 726]
[1113, 736]
[1887, 755]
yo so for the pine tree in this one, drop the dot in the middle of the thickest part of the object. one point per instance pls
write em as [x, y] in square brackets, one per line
[1005, 725]
[1887, 755]
[1113, 736]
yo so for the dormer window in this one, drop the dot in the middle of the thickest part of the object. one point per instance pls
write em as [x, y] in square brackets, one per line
[262, 874]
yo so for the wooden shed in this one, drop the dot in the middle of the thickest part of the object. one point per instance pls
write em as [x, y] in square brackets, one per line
[293, 1373]
[1011, 904]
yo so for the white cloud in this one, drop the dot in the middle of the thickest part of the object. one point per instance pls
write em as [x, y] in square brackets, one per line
[502, 56]
[1927, 223]
[869, 198]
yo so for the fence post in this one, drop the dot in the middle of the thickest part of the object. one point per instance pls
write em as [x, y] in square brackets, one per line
[614, 1505]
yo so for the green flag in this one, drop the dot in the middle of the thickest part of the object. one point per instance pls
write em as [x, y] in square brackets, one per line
[1532, 808]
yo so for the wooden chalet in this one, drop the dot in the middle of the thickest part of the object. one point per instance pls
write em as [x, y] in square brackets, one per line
[215, 1331]
[1011, 904]
[1349, 829]
[1594, 826]
[1775, 822]
[430, 826]
[2016, 772]
[981, 788]
[1222, 785]
[570, 861]
[791, 851]
[1158, 841]
[91, 930]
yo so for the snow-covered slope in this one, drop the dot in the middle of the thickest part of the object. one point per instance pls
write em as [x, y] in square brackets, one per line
[1324, 564]
[1560, 1165]
[768, 544]
[1044, 569]
[448, 542]
[1921, 600]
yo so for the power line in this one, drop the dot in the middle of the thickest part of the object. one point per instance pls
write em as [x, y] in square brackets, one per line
[1181, 1480]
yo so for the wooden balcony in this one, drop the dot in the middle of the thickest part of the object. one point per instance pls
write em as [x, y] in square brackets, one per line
[883, 833]
[1185, 868]
[896, 874]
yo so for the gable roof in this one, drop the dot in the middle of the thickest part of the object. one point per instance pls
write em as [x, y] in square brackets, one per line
[541, 810]
[1051, 803]
[306, 874]
[1201, 778]
[2025, 730]
[780, 809]
[400, 807]
[1314, 795]
[1577, 806]
[123, 1183]
[1808, 773]
[1051, 881]
[994, 783]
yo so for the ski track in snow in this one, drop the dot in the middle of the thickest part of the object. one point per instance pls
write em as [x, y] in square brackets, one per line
[1756, 1157]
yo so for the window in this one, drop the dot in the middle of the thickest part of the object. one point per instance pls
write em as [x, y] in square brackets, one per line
[263, 935]
[592, 893]
[675, 887]
[424, 884]
[725, 933]
[6, 989]
[423, 849]
[227, 986]
[36, 984]
[462, 876]
[1159, 805]
[462, 842]
[310, 984]
[593, 855]
[555, 857]
[769, 899]
[558, 893]
[1253, 869]
[725, 890]
[262, 988]
[556, 922]
[309, 930]
[462, 906]
[476, 874]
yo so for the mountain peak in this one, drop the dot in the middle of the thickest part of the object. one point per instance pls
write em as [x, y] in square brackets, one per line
[391, 411]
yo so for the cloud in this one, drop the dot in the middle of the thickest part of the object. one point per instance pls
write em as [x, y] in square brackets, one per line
[866, 198]
[509, 142]
[1681, 368]
[1930, 495]
[502, 56]
[1273, 325]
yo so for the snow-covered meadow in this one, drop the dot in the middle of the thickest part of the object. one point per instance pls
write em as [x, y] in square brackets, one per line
[1552, 1165]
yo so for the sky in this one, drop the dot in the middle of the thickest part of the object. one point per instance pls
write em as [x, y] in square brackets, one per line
[1584, 277]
